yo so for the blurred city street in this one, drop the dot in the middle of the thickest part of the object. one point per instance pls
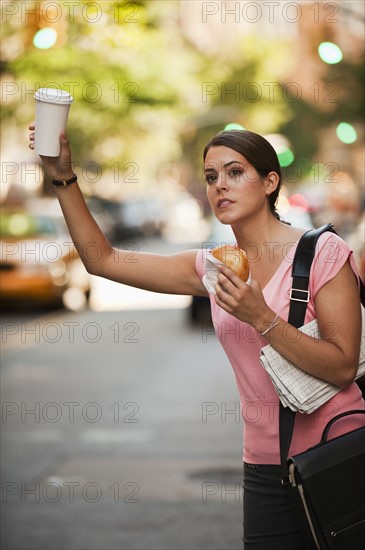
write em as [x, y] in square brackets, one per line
[121, 430]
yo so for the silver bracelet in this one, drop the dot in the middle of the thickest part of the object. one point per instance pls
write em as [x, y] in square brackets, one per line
[271, 325]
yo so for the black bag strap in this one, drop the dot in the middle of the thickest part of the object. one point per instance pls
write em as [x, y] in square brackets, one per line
[299, 298]
[303, 259]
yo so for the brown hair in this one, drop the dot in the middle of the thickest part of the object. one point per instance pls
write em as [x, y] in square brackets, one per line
[257, 150]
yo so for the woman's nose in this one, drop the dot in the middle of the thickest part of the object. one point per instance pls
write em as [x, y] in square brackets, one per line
[221, 182]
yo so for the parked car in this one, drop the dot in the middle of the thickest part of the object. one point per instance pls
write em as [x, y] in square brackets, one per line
[137, 217]
[39, 264]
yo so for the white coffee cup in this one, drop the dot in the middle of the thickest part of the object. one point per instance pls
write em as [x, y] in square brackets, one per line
[51, 112]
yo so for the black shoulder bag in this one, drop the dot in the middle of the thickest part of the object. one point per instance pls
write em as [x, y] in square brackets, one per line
[326, 483]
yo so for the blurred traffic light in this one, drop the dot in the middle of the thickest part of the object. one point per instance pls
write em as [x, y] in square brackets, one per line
[282, 147]
[346, 133]
[45, 38]
[285, 157]
[234, 126]
[46, 24]
[330, 53]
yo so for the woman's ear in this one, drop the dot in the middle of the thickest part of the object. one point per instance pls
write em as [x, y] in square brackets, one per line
[271, 182]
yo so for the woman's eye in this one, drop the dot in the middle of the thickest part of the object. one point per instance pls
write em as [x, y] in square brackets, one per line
[235, 173]
[211, 178]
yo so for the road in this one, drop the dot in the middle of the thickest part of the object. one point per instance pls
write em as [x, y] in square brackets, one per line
[120, 430]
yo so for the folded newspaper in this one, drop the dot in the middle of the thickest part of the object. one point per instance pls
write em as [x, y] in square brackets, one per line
[297, 389]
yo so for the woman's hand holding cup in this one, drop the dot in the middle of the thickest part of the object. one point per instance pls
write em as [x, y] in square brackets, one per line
[58, 168]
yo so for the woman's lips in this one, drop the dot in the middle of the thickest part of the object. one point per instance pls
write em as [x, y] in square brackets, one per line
[224, 203]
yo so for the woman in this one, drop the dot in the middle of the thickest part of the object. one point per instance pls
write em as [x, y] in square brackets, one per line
[243, 182]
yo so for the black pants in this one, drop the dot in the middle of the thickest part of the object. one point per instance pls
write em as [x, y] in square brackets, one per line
[269, 522]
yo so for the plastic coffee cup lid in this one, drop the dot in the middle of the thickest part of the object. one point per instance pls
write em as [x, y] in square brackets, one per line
[53, 95]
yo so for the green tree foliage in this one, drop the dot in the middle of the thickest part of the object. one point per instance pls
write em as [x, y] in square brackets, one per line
[146, 95]
[342, 94]
[129, 73]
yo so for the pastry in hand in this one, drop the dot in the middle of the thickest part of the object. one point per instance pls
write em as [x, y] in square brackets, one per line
[234, 258]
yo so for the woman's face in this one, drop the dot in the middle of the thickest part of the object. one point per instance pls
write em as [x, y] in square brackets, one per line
[234, 188]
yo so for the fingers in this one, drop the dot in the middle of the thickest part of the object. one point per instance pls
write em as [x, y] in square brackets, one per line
[65, 153]
[230, 275]
[56, 167]
[65, 145]
[63, 139]
[226, 292]
[229, 279]
[31, 136]
[230, 290]
[224, 284]
[223, 304]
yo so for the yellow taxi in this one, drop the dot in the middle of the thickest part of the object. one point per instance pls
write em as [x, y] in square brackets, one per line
[38, 261]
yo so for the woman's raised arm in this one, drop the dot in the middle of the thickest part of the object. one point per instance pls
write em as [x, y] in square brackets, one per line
[174, 274]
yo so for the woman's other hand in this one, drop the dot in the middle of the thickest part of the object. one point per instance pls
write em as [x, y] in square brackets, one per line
[59, 168]
[243, 301]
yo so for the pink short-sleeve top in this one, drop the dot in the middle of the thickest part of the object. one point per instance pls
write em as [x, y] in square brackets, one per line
[242, 344]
